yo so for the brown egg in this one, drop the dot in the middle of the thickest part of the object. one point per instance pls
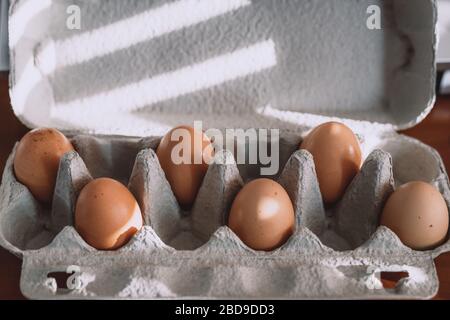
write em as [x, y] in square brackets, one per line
[107, 215]
[337, 157]
[36, 162]
[418, 214]
[185, 174]
[262, 215]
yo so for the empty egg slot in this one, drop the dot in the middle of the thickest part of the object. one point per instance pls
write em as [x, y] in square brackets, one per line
[111, 157]
[262, 154]
[412, 160]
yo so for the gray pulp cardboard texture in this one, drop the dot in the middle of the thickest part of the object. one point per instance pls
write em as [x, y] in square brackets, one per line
[375, 81]
[180, 254]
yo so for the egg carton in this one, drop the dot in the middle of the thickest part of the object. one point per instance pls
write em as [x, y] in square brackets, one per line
[137, 68]
[337, 252]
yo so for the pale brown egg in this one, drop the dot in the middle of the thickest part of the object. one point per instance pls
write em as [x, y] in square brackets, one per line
[36, 162]
[185, 154]
[337, 157]
[107, 215]
[418, 214]
[262, 215]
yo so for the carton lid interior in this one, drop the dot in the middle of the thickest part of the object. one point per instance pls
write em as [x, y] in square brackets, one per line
[139, 67]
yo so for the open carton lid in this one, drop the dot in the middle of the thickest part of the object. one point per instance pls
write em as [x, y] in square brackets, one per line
[141, 67]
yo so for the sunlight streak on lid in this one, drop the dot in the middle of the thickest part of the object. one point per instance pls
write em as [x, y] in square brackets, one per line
[21, 90]
[22, 14]
[204, 75]
[131, 31]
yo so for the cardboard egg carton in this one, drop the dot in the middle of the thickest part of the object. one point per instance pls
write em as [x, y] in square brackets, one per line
[334, 253]
[138, 68]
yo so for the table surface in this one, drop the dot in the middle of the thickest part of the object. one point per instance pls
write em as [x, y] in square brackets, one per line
[434, 131]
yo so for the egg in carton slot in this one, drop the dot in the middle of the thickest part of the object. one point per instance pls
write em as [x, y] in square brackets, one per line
[84, 82]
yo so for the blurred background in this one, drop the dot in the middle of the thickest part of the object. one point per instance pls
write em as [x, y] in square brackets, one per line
[444, 47]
